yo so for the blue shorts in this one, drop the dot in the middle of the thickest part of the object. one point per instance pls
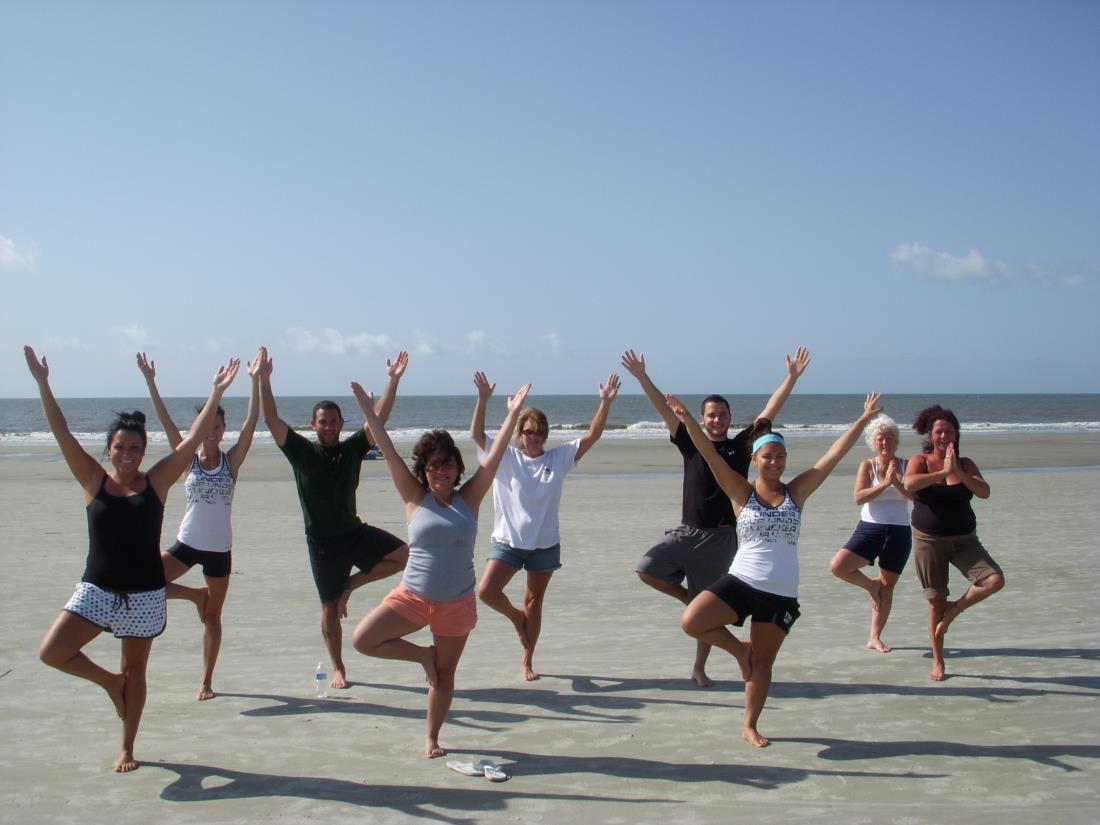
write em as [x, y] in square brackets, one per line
[541, 560]
[889, 543]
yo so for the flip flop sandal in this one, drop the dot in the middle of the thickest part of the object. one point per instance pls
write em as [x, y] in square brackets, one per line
[492, 771]
[465, 768]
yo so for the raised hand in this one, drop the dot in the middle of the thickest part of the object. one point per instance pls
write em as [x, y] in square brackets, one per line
[801, 360]
[364, 399]
[225, 375]
[515, 402]
[148, 368]
[264, 364]
[484, 388]
[870, 406]
[40, 370]
[634, 364]
[396, 368]
[254, 366]
[678, 408]
[609, 390]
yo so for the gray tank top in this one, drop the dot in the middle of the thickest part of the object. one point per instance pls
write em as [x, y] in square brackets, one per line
[441, 550]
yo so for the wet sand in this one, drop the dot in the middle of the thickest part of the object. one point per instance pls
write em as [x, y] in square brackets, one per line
[614, 731]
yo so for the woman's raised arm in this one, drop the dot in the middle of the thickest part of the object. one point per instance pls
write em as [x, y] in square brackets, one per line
[149, 371]
[608, 392]
[85, 469]
[475, 488]
[410, 490]
[477, 422]
[164, 473]
[804, 484]
[239, 451]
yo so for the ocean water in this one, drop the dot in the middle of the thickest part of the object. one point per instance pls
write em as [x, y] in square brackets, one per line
[632, 416]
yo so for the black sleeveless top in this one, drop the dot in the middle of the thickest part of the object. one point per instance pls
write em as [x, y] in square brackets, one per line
[944, 510]
[124, 541]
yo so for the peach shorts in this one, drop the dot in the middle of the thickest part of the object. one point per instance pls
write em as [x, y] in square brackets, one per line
[453, 618]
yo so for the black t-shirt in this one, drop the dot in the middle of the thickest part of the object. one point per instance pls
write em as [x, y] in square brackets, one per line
[705, 505]
[327, 478]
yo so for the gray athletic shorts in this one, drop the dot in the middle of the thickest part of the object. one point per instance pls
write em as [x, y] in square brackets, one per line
[701, 555]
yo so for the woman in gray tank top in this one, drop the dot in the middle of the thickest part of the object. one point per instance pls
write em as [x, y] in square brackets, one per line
[438, 585]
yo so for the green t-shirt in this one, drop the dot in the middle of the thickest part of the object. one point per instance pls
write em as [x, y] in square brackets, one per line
[327, 478]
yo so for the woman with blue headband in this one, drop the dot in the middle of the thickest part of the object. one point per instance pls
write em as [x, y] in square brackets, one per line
[763, 580]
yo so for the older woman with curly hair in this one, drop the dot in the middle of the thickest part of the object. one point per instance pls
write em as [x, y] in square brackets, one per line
[942, 483]
[883, 530]
[437, 589]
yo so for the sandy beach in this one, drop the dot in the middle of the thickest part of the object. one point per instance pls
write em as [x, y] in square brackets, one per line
[614, 731]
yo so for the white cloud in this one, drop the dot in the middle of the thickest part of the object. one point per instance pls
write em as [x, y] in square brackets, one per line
[554, 342]
[12, 258]
[426, 345]
[134, 333]
[218, 344]
[478, 342]
[334, 342]
[64, 342]
[974, 266]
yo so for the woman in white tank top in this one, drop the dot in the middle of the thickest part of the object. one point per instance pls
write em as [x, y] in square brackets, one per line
[763, 580]
[883, 531]
[205, 536]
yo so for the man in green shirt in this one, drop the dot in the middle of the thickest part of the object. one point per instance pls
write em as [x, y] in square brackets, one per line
[326, 472]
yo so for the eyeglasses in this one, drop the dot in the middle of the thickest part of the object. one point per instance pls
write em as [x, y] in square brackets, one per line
[531, 432]
[446, 464]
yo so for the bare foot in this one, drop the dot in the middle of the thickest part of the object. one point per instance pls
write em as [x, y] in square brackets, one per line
[432, 749]
[117, 691]
[744, 660]
[125, 762]
[342, 604]
[753, 737]
[205, 692]
[939, 672]
[879, 645]
[201, 602]
[949, 615]
[876, 595]
[699, 676]
[339, 679]
[430, 673]
[527, 670]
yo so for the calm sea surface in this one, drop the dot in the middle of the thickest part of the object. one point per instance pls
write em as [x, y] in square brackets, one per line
[632, 416]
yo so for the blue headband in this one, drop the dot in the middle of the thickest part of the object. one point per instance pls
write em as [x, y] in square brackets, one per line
[767, 438]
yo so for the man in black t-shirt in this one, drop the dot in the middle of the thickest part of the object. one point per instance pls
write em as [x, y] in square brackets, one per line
[326, 473]
[701, 548]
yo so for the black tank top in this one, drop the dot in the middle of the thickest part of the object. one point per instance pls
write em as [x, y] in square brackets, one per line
[944, 510]
[124, 541]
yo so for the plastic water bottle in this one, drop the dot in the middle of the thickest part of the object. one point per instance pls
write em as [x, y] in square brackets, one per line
[320, 681]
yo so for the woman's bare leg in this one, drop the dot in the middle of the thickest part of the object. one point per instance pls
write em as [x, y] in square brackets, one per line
[135, 660]
[846, 565]
[766, 641]
[491, 591]
[217, 587]
[533, 598]
[381, 634]
[706, 618]
[448, 650]
[173, 569]
[886, 581]
[62, 646]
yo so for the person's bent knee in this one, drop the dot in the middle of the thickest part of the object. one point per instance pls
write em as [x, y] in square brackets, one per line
[50, 655]
[691, 626]
[994, 582]
[487, 593]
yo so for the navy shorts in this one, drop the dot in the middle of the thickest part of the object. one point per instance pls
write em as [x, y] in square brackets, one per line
[889, 543]
[216, 565]
[745, 600]
[333, 557]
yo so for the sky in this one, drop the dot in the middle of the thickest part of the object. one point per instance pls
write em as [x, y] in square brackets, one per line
[911, 190]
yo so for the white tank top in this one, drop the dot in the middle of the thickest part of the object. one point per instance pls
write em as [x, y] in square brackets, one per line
[890, 507]
[206, 524]
[767, 546]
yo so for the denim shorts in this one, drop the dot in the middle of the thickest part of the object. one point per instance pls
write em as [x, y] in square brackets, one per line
[542, 560]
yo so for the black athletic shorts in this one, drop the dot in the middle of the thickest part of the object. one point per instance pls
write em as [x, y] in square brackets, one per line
[333, 557]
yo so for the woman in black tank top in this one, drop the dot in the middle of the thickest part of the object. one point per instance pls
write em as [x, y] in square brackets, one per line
[125, 507]
[942, 484]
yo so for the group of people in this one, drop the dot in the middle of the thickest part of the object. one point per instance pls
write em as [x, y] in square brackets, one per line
[734, 555]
